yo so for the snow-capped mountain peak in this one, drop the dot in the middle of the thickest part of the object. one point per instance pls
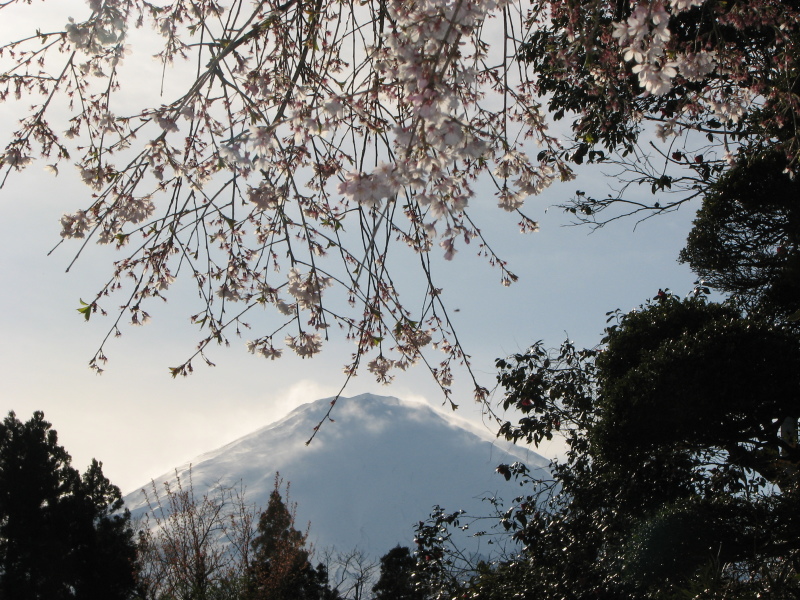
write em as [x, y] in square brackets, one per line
[366, 478]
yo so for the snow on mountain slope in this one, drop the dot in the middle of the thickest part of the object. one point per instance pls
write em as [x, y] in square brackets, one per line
[367, 478]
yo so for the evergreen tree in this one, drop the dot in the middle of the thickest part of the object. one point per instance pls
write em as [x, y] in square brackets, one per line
[677, 476]
[396, 581]
[746, 237]
[280, 568]
[714, 380]
[61, 534]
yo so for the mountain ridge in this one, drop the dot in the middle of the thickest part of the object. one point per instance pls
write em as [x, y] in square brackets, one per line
[367, 477]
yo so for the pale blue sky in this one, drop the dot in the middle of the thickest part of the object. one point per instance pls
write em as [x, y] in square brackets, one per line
[141, 423]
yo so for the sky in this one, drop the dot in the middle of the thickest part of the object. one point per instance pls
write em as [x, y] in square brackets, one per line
[141, 423]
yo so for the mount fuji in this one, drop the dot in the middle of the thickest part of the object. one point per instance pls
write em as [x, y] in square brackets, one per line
[366, 478]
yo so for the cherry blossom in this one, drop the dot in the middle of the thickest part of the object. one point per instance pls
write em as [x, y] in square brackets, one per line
[380, 367]
[304, 344]
[316, 143]
[307, 290]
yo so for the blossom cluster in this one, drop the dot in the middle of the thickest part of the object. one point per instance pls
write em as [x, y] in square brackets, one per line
[304, 344]
[313, 138]
[644, 37]
[106, 26]
[646, 41]
[299, 136]
[307, 289]
[421, 60]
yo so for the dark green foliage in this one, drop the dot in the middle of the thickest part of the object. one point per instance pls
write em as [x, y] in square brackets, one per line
[676, 479]
[605, 110]
[61, 535]
[397, 579]
[315, 586]
[513, 579]
[726, 547]
[696, 375]
[600, 119]
[581, 77]
[668, 546]
[681, 473]
[443, 569]
[746, 237]
[280, 568]
[555, 390]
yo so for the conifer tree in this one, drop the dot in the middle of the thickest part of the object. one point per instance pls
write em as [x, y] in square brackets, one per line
[62, 536]
[746, 238]
[396, 580]
[280, 568]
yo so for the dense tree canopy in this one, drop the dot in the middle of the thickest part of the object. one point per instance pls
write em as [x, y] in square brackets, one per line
[746, 236]
[698, 375]
[718, 80]
[681, 476]
[397, 580]
[678, 479]
[62, 535]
